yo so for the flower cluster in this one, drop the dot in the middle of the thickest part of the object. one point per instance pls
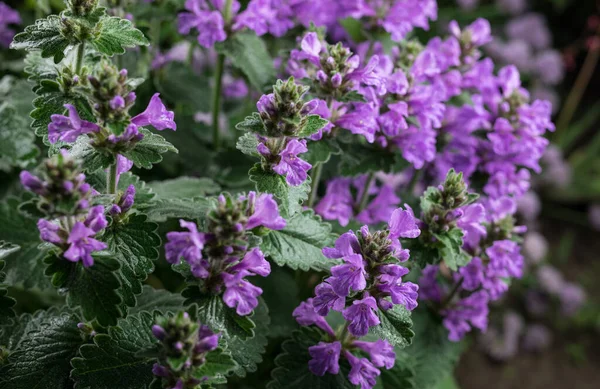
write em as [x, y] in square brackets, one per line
[369, 280]
[64, 197]
[222, 257]
[184, 346]
[7, 16]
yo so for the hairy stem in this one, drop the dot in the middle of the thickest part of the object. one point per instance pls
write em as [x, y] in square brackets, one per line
[80, 54]
[216, 101]
[316, 177]
[365, 195]
[111, 179]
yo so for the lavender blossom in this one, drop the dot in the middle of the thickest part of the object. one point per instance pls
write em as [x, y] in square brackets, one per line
[293, 168]
[325, 358]
[69, 128]
[7, 16]
[156, 115]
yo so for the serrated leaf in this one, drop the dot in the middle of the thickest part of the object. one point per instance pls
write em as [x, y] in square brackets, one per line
[290, 197]
[247, 144]
[163, 209]
[113, 35]
[311, 125]
[43, 354]
[359, 159]
[148, 151]
[93, 289]
[184, 187]
[161, 300]
[252, 124]
[300, 243]
[218, 363]
[24, 267]
[292, 365]
[92, 159]
[6, 303]
[111, 361]
[213, 312]
[321, 151]
[49, 104]
[395, 326]
[248, 353]
[248, 52]
[6, 248]
[451, 248]
[45, 36]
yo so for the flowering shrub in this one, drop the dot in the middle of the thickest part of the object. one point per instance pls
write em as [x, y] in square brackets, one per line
[372, 231]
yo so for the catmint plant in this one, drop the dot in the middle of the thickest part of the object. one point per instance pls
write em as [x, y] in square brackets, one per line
[356, 227]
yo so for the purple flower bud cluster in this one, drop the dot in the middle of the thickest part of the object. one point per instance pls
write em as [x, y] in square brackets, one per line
[213, 21]
[368, 280]
[7, 16]
[343, 197]
[222, 257]
[124, 204]
[184, 346]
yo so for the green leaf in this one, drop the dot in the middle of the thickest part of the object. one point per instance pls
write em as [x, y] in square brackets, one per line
[45, 36]
[17, 141]
[53, 102]
[252, 124]
[218, 364]
[248, 53]
[247, 144]
[354, 28]
[184, 188]
[451, 248]
[292, 365]
[92, 159]
[311, 125]
[157, 300]
[6, 303]
[24, 267]
[320, 151]
[43, 354]
[213, 312]
[148, 151]
[163, 209]
[7, 248]
[11, 335]
[359, 159]
[290, 197]
[143, 193]
[248, 353]
[93, 289]
[179, 83]
[113, 34]
[352, 97]
[300, 243]
[398, 377]
[111, 361]
[395, 326]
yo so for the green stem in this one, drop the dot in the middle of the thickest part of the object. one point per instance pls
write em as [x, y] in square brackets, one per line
[80, 54]
[365, 195]
[216, 106]
[111, 179]
[316, 177]
[227, 11]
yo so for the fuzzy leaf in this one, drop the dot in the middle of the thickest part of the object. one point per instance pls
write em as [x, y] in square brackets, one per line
[24, 267]
[359, 159]
[218, 364]
[45, 36]
[451, 248]
[300, 243]
[113, 35]
[111, 361]
[53, 102]
[95, 290]
[43, 354]
[163, 209]
[143, 194]
[352, 97]
[184, 187]
[252, 124]
[6, 248]
[290, 197]
[213, 312]
[92, 159]
[292, 365]
[17, 141]
[321, 151]
[157, 300]
[148, 151]
[248, 52]
[247, 144]
[6, 303]
[395, 326]
[312, 125]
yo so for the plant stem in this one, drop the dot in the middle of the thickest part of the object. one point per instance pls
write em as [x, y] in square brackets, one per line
[80, 54]
[452, 293]
[227, 11]
[365, 195]
[216, 107]
[316, 177]
[111, 179]
[576, 93]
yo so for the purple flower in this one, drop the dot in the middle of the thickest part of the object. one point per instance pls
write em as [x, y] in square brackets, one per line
[254, 262]
[207, 340]
[347, 244]
[81, 245]
[380, 352]
[337, 202]
[156, 115]
[362, 371]
[531, 28]
[403, 224]
[471, 223]
[306, 315]
[7, 16]
[33, 183]
[380, 208]
[262, 16]
[572, 297]
[325, 358]
[290, 165]
[505, 258]
[239, 293]
[470, 311]
[203, 17]
[266, 212]
[349, 275]
[478, 33]
[361, 316]
[326, 299]
[186, 245]
[472, 274]
[49, 231]
[68, 129]
[95, 219]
